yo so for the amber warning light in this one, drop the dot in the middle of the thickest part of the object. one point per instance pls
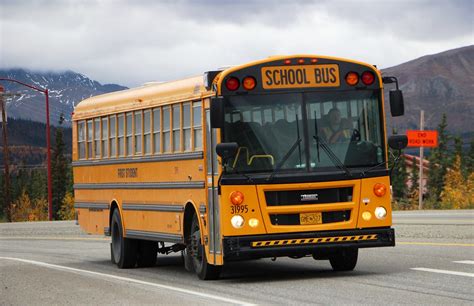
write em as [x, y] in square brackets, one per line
[422, 138]
[236, 197]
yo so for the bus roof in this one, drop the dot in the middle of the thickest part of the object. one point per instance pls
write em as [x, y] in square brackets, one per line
[156, 93]
[148, 95]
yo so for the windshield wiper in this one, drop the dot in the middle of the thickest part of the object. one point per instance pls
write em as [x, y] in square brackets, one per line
[335, 160]
[372, 168]
[249, 179]
[284, 159]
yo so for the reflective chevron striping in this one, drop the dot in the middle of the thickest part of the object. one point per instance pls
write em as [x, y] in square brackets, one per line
[313, 240]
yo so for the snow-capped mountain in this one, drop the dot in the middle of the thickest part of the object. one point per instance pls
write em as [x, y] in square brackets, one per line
[66, 89]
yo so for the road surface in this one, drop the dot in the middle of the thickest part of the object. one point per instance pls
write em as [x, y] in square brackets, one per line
[55, 263]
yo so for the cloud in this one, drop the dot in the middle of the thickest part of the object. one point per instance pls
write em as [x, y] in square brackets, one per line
[131, 42]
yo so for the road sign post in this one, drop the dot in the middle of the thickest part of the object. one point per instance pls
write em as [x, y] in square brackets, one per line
[6, 195]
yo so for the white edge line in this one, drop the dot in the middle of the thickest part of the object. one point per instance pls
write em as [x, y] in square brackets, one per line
[467, 262]
[444, 272]
[131, 280]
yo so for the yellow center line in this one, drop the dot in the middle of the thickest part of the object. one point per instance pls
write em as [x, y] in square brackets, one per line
[437, 244]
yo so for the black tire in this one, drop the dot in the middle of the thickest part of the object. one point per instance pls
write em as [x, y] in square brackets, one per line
[147, 251]
[344, 259]
[123, 250]
[197, 254]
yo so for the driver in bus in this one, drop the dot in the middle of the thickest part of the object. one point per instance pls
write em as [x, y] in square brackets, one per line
[338, 129]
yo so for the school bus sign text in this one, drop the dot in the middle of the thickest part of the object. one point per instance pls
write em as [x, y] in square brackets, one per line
[422, 138]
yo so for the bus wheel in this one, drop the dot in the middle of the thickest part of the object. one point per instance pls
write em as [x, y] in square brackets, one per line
[124, 250]
[344, 259]
[195, 249]
[147, 251]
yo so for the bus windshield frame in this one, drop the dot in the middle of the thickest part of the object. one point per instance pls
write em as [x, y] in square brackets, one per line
[278, 131]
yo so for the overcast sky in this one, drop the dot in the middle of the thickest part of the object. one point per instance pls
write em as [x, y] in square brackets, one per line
[132, 42]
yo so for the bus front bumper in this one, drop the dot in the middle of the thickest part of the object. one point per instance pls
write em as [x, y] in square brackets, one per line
[307, 243]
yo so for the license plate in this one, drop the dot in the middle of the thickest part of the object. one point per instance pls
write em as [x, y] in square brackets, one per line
[302, 76]
[311, 218]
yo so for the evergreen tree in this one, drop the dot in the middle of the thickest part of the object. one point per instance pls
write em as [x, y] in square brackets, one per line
[458, 148]
[398, 178]
[439, 163]
[59, 169]
[414, 178]
[19, 182]
[39, 184]
[469, 160]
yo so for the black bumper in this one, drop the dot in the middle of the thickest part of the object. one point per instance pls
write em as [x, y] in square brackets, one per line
[301, 244]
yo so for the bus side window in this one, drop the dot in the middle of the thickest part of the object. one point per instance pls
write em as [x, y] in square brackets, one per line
[157, 130]
[97, 137]
[197, 125]
[120, 140]
[81, 139]
[147, 131]
[89, 138]
[138, 132]
[113, 136]
[166, 129]
[187, 126]
[129, 135]
[176, 127]
[105, 137]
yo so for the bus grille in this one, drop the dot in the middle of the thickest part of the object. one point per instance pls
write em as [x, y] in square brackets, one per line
[309, 196]
[294, 219]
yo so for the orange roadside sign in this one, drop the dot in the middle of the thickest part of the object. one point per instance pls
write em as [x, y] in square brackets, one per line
[422, 138]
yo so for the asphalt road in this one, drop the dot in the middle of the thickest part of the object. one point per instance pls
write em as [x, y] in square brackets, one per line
[55, 263]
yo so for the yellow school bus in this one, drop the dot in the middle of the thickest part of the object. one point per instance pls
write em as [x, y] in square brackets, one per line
[285, 156]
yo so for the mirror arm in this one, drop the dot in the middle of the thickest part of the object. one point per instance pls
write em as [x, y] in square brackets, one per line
[389, 80]
[395, 161]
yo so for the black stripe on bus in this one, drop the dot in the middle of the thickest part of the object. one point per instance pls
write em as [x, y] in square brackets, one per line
[154, 236]
[127, 185]
[146, 159]
[91, 205]
[153, 207]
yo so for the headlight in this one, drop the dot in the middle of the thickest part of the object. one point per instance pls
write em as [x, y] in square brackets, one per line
[237, 221]
[380, 212]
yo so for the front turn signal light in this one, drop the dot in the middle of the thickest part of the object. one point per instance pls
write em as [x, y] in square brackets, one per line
[236, 197]
[380, 189]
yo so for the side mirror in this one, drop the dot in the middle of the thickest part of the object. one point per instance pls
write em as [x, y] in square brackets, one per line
[217, 113]
[398, 142]
[227, 150]
[397, 107]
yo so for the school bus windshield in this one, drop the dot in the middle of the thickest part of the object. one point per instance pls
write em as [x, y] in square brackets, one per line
[287, 131]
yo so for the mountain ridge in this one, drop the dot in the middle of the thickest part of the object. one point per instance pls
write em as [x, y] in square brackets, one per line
[437, 83]
[66, 89]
